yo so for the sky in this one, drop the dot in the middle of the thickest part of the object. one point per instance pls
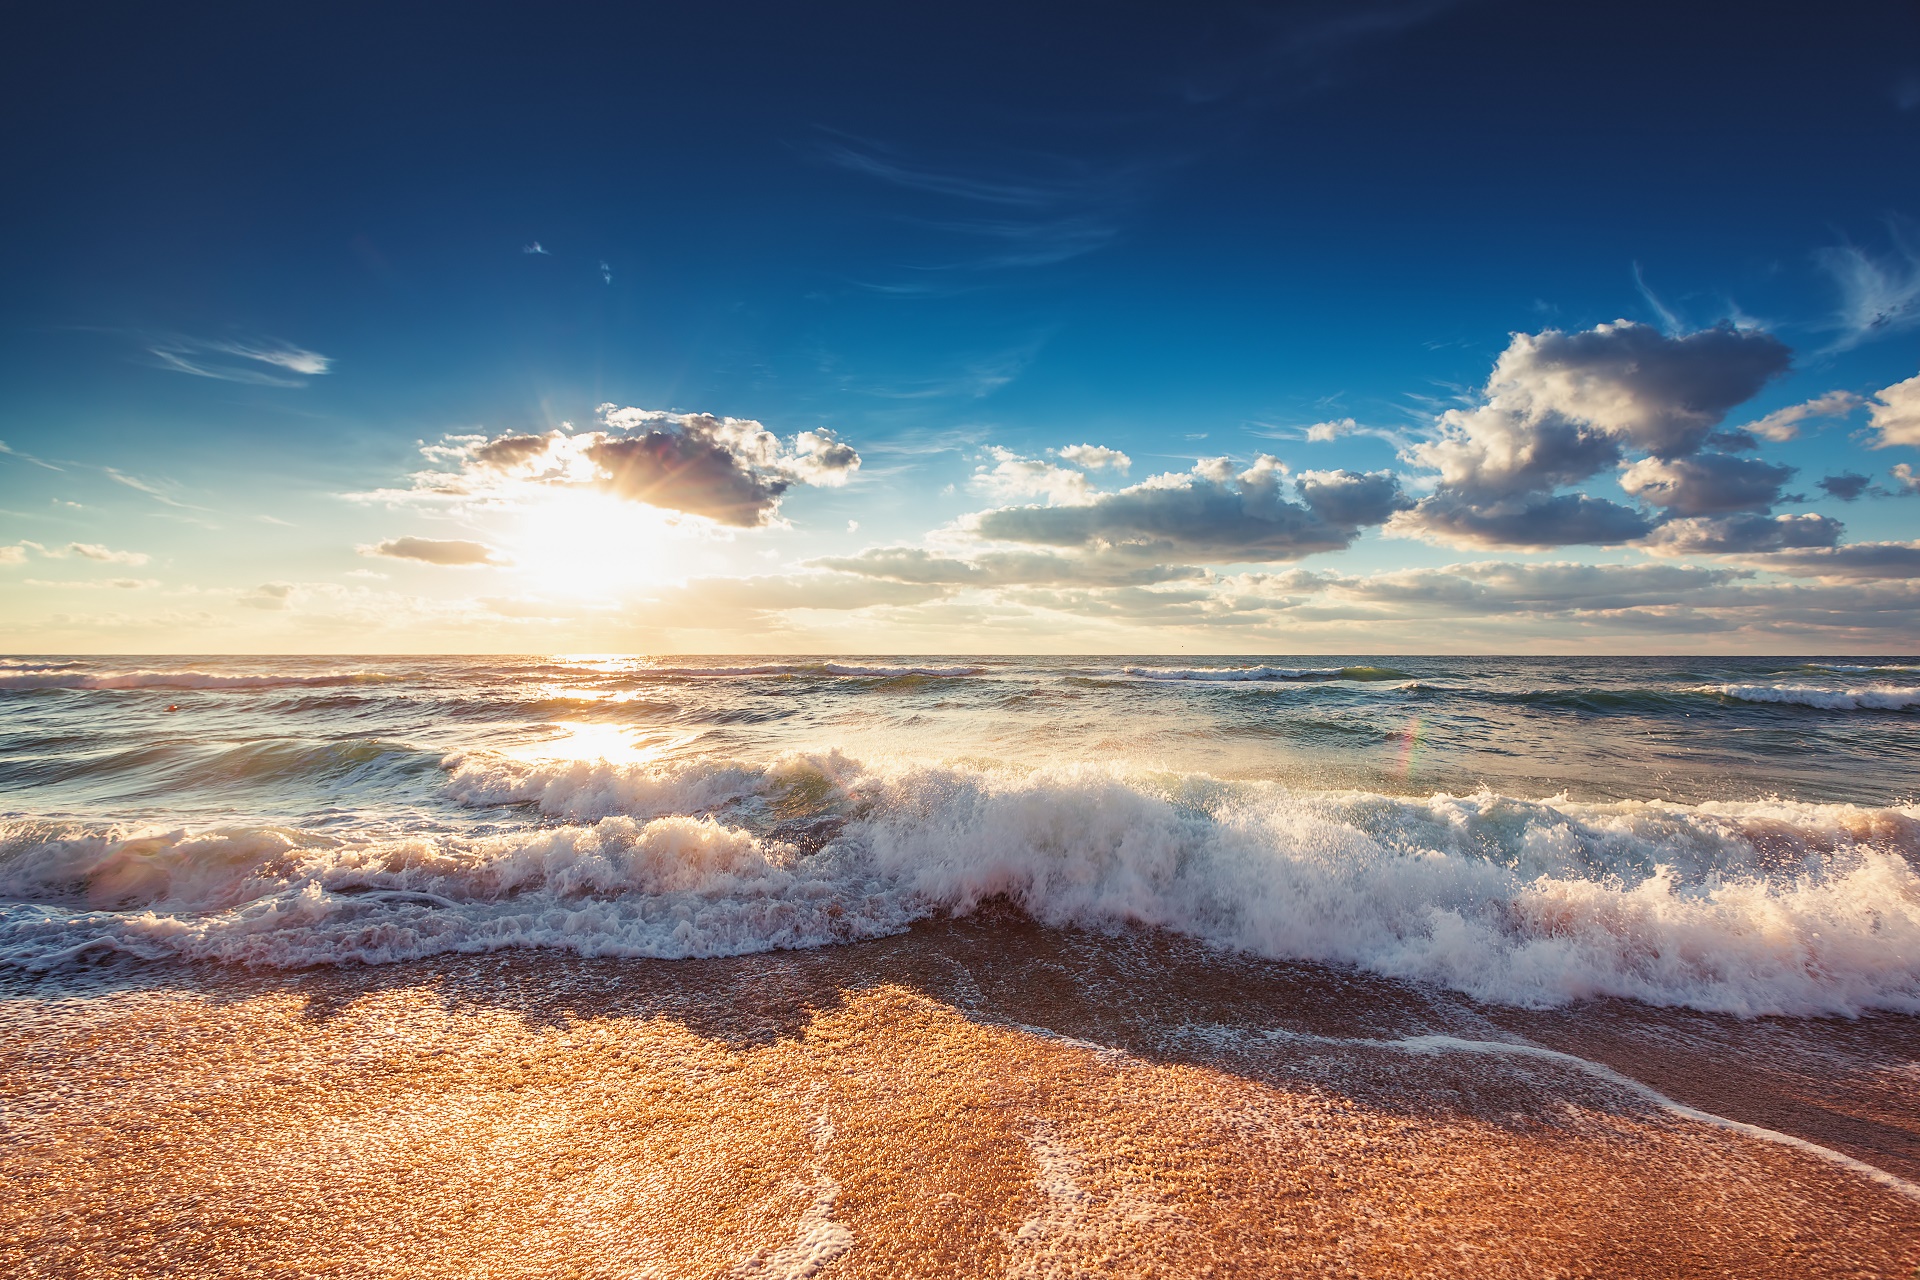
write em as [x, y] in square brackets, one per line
[1355, 328]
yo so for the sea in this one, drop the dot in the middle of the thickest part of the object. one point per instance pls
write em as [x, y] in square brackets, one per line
[1734, 835]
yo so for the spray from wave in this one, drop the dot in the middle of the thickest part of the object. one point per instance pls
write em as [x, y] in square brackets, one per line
[1749, 908]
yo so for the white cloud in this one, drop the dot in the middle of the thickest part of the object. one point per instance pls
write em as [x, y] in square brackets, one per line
[233, 361]
[94, 551]
[1894, 415]
[1332, 429]
[452, 552]
[1878, 295]
[13, 555]
[1784, 424]
[1012, 476]
[1095, 457]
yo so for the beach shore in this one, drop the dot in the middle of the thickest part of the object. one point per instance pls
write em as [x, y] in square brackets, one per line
[975, 1097]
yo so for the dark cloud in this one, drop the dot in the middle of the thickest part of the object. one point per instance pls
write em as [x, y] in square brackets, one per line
[1706, 484]
[1212, 513]
[1560, 408]
[1742, 534]
[1733, 440]
[730, 470]
[688, 470]
[1860, 560]
[1848, 486]
[1568, 519]
[510, 451]
[448, 551]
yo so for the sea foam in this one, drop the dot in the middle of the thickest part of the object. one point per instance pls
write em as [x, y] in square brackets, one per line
[1748, 908]
[1875, 697]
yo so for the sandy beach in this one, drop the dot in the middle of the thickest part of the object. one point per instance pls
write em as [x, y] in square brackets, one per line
[976, 1097]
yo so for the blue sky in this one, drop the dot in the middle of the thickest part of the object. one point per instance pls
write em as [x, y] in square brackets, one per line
[255, 262]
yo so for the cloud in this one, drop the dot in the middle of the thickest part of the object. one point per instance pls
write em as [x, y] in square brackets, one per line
[1005, 568]
[1894, 415]
[8, 451]
[1905, 476]
[94, 551]
[1706, 484]
[1858, 561]
[268, 595]
[1095, 457]
[1558, 409]
[535, 248]
[1332, 429]
[1848, 486]
[447, 551]
[1784, 424]
[1211, 513]
[212, 359]
[1013, 476]
[1878, 295]
[1530, 522]
[1742, 534]
[13, 555]
[732, 471]
[149, 488]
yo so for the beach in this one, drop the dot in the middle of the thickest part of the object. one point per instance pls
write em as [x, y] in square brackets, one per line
[598, 968]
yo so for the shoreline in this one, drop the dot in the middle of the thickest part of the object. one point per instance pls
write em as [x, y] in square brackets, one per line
[975, 1096]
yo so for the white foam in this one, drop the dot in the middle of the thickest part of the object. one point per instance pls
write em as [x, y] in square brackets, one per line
[1875, 697]
[1234, 673]
[68, 679]
[1747, 908]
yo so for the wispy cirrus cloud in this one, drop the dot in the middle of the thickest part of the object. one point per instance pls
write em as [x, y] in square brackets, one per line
[260, 363]
[1879, 293]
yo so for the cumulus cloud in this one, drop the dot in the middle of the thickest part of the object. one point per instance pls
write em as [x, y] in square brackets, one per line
[1095, 457]
[1332, 429]
[1560, 408]
[1213, 513]
[441, 551]
[238, 361]
[1742, 534]
[1894, 415]
[732, 471]
[1908, 480]
[1706, 484]
[1011, 476]
[1784, 424]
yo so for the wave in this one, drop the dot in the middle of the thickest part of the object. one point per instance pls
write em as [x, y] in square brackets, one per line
[810, 669]
[1754, 908]
[1266, 673]
[1878, 697]
[1856, 668]
[19, 681]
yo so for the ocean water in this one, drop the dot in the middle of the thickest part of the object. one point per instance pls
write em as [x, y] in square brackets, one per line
[1727, 835]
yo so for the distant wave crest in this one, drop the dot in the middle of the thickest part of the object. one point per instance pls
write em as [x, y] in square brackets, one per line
[1266, 673]
[23, 680]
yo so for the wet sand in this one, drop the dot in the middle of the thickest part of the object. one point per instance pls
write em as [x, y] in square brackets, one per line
[976, 1097]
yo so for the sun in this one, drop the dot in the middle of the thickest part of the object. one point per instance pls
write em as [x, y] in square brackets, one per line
[583, 544]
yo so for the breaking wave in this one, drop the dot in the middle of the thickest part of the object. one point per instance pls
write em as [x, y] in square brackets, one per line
[1750, 908]
[1877, 697]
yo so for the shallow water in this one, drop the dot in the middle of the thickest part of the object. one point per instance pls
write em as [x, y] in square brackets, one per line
[1727, 835]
